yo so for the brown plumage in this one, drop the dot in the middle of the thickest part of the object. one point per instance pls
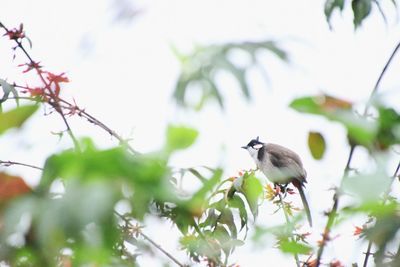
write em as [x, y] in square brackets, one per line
[281, 166]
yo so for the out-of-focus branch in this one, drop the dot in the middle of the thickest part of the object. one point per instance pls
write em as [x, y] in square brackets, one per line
[54, 97]
[73, 109]
[333, 212]
[8, 163]
[368, 252]
[138, 231]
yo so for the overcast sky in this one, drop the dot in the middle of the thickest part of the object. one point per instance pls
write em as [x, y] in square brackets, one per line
[123, 72]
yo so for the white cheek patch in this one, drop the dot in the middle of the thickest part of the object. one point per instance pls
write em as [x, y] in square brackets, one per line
[258, 146]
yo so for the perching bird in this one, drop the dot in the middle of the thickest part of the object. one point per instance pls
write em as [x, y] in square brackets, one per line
[281, 166]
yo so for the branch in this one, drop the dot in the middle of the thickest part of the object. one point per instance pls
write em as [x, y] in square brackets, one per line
[332, 214]
[74, 109]
[54, 97]
[8, 163]
[138, 231]
[296, 257]
[368, 252]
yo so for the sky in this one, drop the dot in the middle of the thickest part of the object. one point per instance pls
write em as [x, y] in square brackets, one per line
[122, 71]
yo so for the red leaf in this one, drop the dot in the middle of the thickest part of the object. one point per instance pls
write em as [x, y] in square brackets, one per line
[11, 186]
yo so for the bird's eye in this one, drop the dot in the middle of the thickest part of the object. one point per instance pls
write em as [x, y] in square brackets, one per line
[258, 146]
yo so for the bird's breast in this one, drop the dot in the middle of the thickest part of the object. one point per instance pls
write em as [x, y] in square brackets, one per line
[275, 174]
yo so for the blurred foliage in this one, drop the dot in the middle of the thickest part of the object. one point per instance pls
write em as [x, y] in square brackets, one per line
[16, 117]
[316, 144]
[71, 218]
[199, 71]
[7, 89]
[380, 133]
[361, 9]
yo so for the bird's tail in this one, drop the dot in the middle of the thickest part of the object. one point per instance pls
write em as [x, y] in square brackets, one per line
[305, 204]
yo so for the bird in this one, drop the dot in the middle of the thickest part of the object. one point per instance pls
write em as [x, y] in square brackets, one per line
[281, 166]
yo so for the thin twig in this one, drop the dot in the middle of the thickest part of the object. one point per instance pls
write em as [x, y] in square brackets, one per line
[84, 114]
[54, 97]
[151, 241]
[333, 212]
[368, 252]
[8, 163]
[296, 257]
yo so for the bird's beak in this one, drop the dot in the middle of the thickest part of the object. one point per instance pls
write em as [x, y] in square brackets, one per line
[244, 147]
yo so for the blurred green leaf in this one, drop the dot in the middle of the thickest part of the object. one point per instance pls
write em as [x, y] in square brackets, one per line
[145, 174]
[330, 6]
[316, 144]
[375, 208]
[200, 68]
[361, 130]
[16, 117]
[237, 202]
[252, 190]
[226, 218]
[222, 235]
[367, 187]
[180, 137]
[196, 203]
[293, 247]
[361, 9]
[7, 89]
[389, 128]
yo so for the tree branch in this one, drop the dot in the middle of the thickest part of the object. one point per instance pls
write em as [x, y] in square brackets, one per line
[368, 252]
[332, 214]
[138, 231]
[296, 257]
[8, 163]
[54, 97]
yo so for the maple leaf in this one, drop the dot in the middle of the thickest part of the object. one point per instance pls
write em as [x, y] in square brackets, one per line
[30, 66]
[358, 230]
[56, 80]
[270, 192]
[336, 263]
[36, 91]
[16, 34]
[311, 263]
[11, 186]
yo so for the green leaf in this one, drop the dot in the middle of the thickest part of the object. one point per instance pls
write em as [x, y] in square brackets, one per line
[360, 130]
[293, 247]
[7, 89]
[196, 203]
[316, 144]
[330, 6]
[16, 117]
[144, 175]
[226, 218]
[252, 190]
[389, 128]
[367, 187]
[361, 9]
[180, 137]
[237, 202]
[199, 69]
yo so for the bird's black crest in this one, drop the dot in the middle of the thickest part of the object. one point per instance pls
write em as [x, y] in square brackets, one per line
[254, 142]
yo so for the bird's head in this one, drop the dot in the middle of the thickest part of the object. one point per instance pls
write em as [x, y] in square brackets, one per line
[253, 146]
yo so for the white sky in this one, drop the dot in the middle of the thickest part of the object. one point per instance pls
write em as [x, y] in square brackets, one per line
[123, 73]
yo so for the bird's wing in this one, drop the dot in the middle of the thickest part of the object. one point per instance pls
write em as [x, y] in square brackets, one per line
[284, 158]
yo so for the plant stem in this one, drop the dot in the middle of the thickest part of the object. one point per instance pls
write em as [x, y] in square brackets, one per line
[151, 241]
[368, 252]
[296, 257]
[333, 212]
[9, 163]
[54, 97]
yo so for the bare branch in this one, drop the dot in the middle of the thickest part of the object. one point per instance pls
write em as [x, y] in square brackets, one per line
[332, 214]
[8, 163]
